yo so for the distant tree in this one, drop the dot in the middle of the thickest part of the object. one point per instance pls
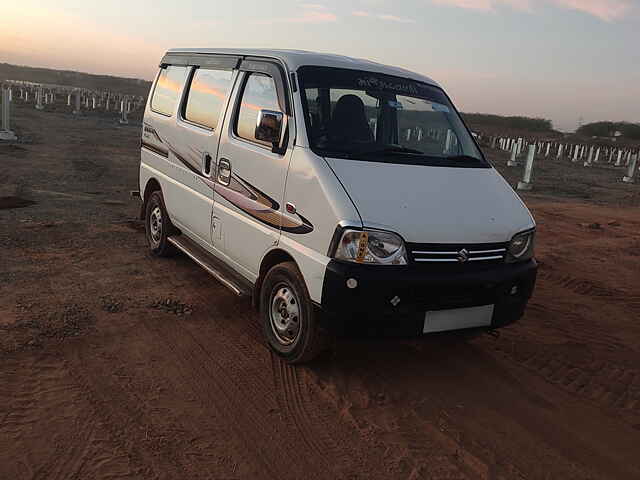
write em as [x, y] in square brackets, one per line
[129, 86]
[515, 123]
[608, 129]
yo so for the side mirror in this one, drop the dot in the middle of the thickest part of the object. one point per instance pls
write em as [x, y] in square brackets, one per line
[270, 127]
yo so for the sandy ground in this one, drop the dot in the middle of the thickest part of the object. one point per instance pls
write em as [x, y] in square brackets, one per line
[117, 365]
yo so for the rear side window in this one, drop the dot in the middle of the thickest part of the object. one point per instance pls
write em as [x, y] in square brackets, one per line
[165, 94]
[207, 94]
[259, 94]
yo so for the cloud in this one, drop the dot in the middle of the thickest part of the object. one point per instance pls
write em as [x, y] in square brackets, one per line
[381, 16]
[311, 13]
[607, 10]
[486, 5]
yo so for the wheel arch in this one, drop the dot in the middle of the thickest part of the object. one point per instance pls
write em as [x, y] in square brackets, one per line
[152, 185]
[271, 258]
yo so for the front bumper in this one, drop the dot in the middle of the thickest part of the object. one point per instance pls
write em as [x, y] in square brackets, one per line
[392, 295]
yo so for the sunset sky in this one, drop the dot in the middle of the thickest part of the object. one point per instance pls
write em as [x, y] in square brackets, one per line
[558, 59]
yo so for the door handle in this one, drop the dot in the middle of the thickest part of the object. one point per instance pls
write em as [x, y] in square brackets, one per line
[206, 164]
[224, 171]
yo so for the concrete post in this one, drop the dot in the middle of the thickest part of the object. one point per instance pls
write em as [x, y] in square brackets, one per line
[559, 151]
[447, 146]
[525, 184]
[576, 151]
[548, 148]
[69, 100]
[10, 95]
[595, 160]
[39, 105]
[629, 177]
[124, 120]
[5, 127]
[77, 110]
[619, 159]
[26, 96]
[93, 103]
[514, 151]
[589, 158]
[628, 161]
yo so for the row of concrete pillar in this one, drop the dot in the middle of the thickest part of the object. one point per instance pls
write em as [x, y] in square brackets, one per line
[593, 156]
[42, 97]
[590, 154]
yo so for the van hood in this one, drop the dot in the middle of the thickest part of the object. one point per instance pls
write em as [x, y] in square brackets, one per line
[426, 204]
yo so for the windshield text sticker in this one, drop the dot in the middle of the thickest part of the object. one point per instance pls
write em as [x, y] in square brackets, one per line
[382, 84]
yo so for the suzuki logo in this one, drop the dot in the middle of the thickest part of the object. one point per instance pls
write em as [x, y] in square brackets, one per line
[463, 255]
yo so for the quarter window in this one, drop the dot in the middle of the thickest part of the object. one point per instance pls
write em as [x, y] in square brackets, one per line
[259, 94]
[168, 86]
[207, 94]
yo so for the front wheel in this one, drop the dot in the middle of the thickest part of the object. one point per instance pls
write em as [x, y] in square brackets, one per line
[289, 320]
[158, 226]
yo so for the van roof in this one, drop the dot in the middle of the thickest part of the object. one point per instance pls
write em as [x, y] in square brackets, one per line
[295, 59]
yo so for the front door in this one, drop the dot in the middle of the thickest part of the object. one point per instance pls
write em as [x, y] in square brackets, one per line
[250, 178]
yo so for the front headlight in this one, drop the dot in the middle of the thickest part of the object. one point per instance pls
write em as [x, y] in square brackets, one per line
[521, 247]
[371, 247]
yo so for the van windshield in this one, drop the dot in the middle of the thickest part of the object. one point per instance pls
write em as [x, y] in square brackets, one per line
[369, 116]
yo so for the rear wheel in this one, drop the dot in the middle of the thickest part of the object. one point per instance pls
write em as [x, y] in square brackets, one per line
[289, 320]
[158, 226]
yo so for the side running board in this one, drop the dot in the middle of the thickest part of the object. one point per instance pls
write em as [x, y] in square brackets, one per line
[218, 269]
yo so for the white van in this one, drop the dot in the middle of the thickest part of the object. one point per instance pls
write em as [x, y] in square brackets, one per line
[334, 191]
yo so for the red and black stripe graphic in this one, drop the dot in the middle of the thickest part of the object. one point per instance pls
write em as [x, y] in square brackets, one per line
[241, 194]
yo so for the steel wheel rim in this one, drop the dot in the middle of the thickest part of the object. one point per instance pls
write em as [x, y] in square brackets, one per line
[155, 225]
[284, 314]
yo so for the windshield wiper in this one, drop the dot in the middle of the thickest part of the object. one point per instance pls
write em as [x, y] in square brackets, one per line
[391, 149]
[463, 158]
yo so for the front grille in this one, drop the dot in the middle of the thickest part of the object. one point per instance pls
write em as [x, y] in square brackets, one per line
[460, 254]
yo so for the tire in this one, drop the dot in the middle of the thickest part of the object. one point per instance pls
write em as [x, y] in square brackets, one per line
[290, 322]
[158, 227]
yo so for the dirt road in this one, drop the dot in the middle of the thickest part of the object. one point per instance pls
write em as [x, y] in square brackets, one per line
[117, 365]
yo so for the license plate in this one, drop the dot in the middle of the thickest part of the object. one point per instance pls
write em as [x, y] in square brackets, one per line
[458, 318]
